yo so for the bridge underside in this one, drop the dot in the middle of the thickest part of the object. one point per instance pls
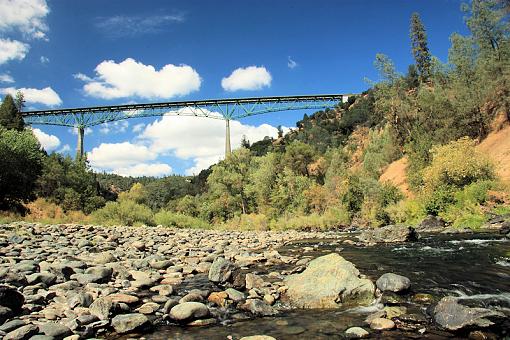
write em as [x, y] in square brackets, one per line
[224, 109]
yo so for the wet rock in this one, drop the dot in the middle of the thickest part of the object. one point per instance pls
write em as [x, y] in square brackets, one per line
[22, 333]
[381, 324]
[393, 283]
[394, 311]
[329, 281]
[190, 297]
[189, 311]
[389, 234]
[101, 307]
[390, 298]
[451, 315]
[126, 323]
[423, 298]
[12, 299]
[55, 330]
[356, 333]
[258, 307]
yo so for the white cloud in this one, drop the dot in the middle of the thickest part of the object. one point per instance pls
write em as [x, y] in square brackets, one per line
[12, 50]
[130, 26]
[27, 16]
[82, 77]
[119, 155]
[114, 127]
[249, 78]
[48, 142]
[6, 78]
[138, 127]
[46, 96]
[291, 63]
[44, 60]
[86, 132]
[131, 78]
[64, 149]
[199, 139]
[143, 169]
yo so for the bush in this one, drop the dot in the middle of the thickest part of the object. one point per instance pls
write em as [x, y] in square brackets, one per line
[332, 218]
[409, 211]
[457, 164]
[124, 212]
[257, 222]
[171, 219]
[438, 200]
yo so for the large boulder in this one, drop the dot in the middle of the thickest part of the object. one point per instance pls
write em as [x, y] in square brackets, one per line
[393, 283]
[188, 311]
[223, 271]
[126, 323]
[12, 299]
[389, 234]
[451, 315]
[329, 281]
[431, 223]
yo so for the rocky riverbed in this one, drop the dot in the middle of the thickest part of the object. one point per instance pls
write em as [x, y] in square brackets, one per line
[73, 281]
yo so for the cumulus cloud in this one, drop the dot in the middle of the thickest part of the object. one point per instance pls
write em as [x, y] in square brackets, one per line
[46, 96]
[143, 169]
[199, 139]
[26, 16]
[86, 132]
[6, 78]
[12, 50]
[65, 148]
[249, 78]
[108, 156]
[114, 127]
[130, 26]
[291, 63]
[48, 142]
[138, 127]
[131, 78]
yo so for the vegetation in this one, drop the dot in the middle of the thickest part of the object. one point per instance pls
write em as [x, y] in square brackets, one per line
[326, 172]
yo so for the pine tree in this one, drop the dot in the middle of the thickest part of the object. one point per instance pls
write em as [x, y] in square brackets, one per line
[10, 116]
[419, 47]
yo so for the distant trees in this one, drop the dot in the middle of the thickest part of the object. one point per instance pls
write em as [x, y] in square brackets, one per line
[419, 47]
[10, 113]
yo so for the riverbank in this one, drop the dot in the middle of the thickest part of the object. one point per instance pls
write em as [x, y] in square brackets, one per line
[85, 281]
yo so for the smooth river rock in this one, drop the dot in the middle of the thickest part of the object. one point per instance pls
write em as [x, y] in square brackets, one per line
[329, 281]
[393, 283]
[125, 323]
[188, 311]
[389, 234]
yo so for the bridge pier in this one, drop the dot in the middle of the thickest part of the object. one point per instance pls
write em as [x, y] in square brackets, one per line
[79, 147]
[228, 149]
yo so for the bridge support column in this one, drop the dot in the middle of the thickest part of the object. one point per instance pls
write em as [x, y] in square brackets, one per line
[228, 149]
[79, 147]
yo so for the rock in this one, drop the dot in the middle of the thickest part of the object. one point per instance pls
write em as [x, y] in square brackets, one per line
[5, 314]
[80, 300]
[234, 294]
[12, 299]
[22, 333]
[394, 311]
[164, 290]
[148, 308]
[103, 272]
[257, 337]
[161, 264]
[329, 281]
[390, 298]
[258, 307]
[356, 333]
[188, 311]
[55, 330]
[218, 298]
[101, 308]
[253, 281]
[222, 271]
[432, 223]
[381, 324]
[422, 298]
[86, 278]
[42, 337]
[190, 297]
[389, 234]
[104, 258]
[125, 323]
[45, 277]
[123, 298]
[11, 325]
[451, 315]
[393, 283]
[169, 305]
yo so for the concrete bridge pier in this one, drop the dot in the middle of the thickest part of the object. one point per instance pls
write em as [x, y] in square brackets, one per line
[79, 147]
[228, 149]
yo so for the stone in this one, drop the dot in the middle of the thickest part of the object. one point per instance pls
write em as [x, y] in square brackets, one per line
[5, 314]
[123, 298]
[103, 272]
[234, 294]
[452, 316]
[86, 278]
[22, 333]
[257, 337]
[12, 299]
[55, 330]
[188, 311]
[222, 270]
[432, 223]
[329, 281]
[164, 290]
[393, 283]
[253, 281]
[218, 298]
[164, 264]
[422, 298]
[42, 337]
[258, 307]
[126, 323]
[381, 324]
[80, 300]
[191, 297]
[356, 333]
[104, 258]
[148, 308]
[394, 311]
[101, 307]
[169, 305]
[45, 277]
[389, 234]
[11, 325]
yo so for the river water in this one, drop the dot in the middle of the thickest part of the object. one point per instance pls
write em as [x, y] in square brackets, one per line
[475, 267]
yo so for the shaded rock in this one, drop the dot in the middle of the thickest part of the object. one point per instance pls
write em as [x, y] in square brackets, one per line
[188, 311]
[164, 264]
[393, 282]
[5, 314]
[390, 298]
[22, 333]
[382, 324]
[329, 281]
[258, 307]
[389, 234]
[431, 223]
[80, 300]
[12, 299]
[222, 271]
[55, 330]
[45, 277]
[451, 315]
[125, 323]
[356, 333]
[11, 325]
[101, 308]
[103, 272]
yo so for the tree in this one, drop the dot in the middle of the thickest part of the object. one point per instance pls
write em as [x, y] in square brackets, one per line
[298, 156]
[10, 115]
[419, 47]
[245, 143]
[21, 163]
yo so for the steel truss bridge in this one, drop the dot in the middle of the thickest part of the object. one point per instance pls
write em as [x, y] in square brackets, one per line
[224, 109]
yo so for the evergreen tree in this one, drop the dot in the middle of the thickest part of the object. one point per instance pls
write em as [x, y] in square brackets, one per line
[419, 47]
[10, 115]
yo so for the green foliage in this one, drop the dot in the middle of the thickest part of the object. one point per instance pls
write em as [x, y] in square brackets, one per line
[251, 221]
[332, 218]
[171, 219]
[410, 211]
[10, 115]
[20, 165]
[379, 152]
[438, 200]
[419, 47]
[123, 212]
[298, 156]
[289, 192]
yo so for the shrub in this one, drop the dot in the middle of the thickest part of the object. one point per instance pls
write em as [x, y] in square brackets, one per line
[247, 222]
[332, 218]
[438, 200]
[409, 211]
[124, 212]
[171, 219]
[457, 164]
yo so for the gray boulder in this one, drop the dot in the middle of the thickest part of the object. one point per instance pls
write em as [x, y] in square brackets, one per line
[431, 223]
[329, 281]
[188, 311]
[101, 307]
[393, 283]
[451, 315]
[389, 234]
[55, 330]
[22, 333]
[125, 323]
[222, 271]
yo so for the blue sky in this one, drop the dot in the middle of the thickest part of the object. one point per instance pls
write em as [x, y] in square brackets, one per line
[84, 53]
